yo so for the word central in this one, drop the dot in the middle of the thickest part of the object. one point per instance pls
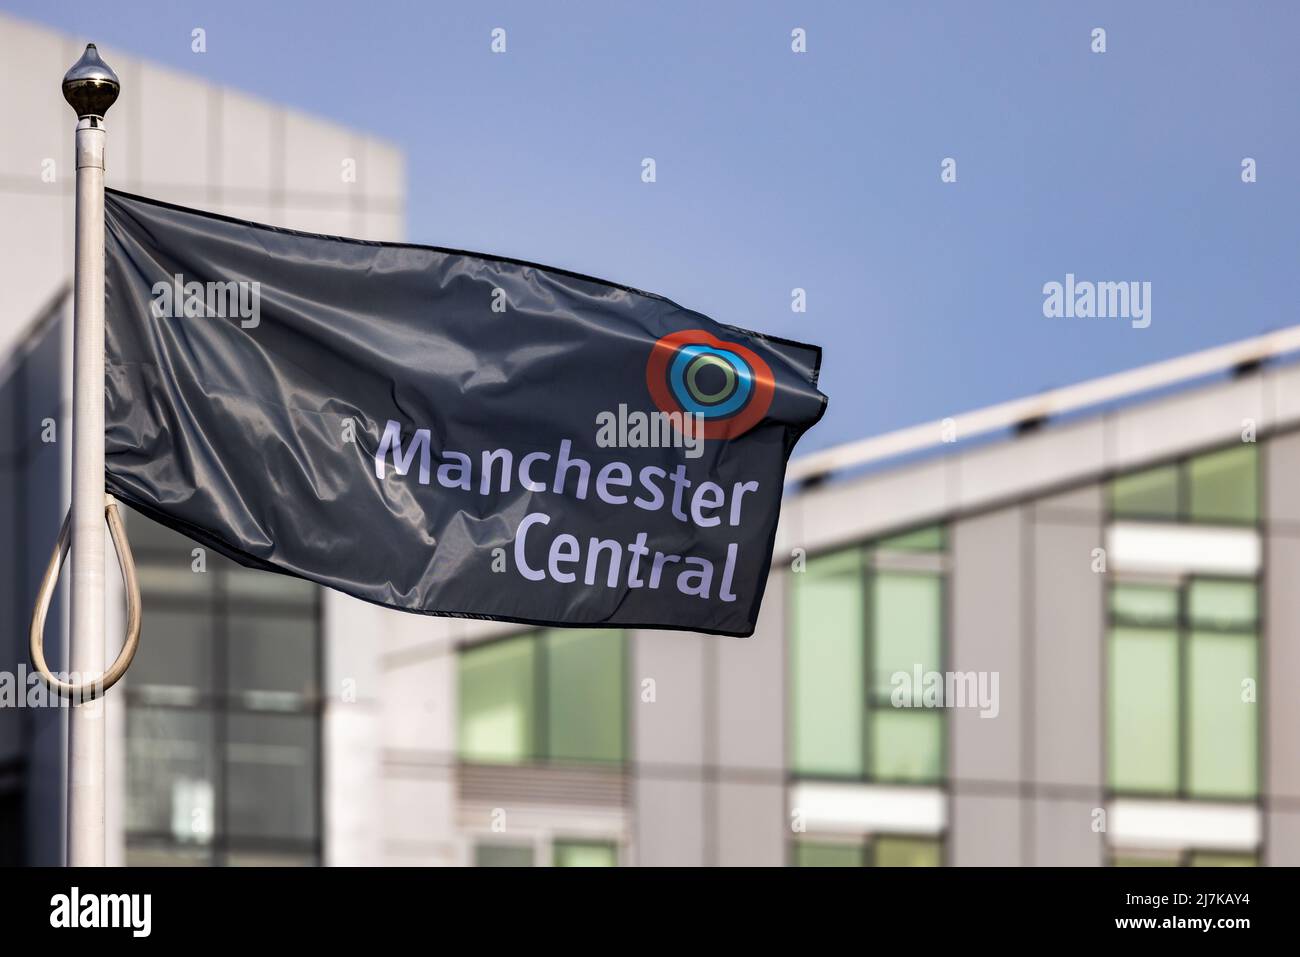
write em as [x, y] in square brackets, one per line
[645, 567]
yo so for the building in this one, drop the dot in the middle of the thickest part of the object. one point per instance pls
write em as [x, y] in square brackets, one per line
[1097, 599]
[204, 765]
[1102, 600]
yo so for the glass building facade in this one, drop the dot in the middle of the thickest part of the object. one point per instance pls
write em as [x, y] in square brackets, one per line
[1175, 643]
[1183, 648]
[223, 724]
[216, 743]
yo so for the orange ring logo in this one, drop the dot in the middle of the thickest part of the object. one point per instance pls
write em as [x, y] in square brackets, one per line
[730, 408]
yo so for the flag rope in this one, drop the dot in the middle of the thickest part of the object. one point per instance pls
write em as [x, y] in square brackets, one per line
[88, 690]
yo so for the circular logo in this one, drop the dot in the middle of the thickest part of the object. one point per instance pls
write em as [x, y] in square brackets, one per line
[730, 386]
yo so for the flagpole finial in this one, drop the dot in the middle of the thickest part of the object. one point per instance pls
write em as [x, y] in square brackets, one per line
[91, 86]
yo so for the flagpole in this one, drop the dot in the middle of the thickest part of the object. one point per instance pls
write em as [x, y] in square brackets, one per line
[90, 87]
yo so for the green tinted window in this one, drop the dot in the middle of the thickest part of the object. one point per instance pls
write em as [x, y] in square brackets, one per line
[503, 855]
[1222, 604]
[907, 744]
[1149, 494]
[1180, 717]
[1134, 860]
[1222, 721]
[497, 703]
[1222, 486]
[1143, 715]
[906, 616]
[1144, 604]
[1219, 859]
[815, 854]
[907, 852]
[827, 666]
[930, 539]
[585, 854]
[584, 698]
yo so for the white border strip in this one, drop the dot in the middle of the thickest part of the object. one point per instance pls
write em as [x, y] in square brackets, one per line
[1182, 549]
[1180, 825]
[868, 809]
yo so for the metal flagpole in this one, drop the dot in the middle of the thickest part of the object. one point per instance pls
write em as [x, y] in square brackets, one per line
[90, 87]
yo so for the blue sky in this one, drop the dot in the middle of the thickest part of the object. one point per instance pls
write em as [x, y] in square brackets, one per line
[822, 170]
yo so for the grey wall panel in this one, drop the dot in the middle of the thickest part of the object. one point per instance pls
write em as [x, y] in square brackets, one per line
[750, 698]
[1282, 838]
[1281, 490]
[987, 611]
[1083, 505]
[669, 822]
[1066, 728]
[1063, 834]
[1281, 636]
[1281, 663]
[749, 824]
[986, 830]
[670, 730]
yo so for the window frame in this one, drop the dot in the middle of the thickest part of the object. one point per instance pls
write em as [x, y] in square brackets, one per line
[1184, 628]
[541, 845]
[559, 840]
[1182, 857]
[541, 710]
[218, 608]
[865, 844]
[1182, 511]
[922, 563]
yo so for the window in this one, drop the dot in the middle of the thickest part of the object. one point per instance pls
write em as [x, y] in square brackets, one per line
[1221, 859]
[905, 743]
[223, 711]
[1183, 717]
[828, 666]
[503, 855]
[564, 853]
[1192, 858]
[584, 690]
[1219, 487]
[1184, 654]
[1223, 486]
[548, 696]
[497, 707]
[585, 854]
[882, 851]
[862, 617]
[907, 852]
[1144, 860]
[820, 854]
[1150, 494]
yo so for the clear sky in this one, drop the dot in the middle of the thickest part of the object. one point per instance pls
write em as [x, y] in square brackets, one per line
[821, 170]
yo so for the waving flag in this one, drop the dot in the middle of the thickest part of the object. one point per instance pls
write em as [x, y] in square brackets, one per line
[445, 432]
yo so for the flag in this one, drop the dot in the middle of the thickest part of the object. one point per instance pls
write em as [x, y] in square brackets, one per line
[445, 432]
